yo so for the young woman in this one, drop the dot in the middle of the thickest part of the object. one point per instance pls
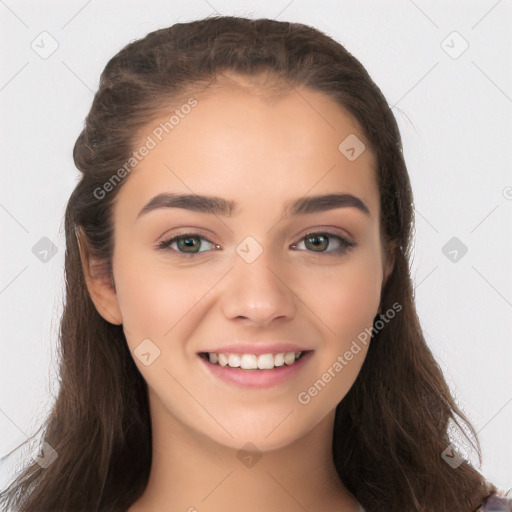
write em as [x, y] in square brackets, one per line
[239, 331]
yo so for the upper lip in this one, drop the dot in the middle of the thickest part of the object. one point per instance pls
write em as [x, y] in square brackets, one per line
[256, 348]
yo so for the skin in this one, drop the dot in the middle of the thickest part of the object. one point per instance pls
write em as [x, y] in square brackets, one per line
[261, 151]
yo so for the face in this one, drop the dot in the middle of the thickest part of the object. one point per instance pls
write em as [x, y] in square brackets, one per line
[255, 277]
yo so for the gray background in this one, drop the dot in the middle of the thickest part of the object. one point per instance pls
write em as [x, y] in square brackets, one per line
[453, 105]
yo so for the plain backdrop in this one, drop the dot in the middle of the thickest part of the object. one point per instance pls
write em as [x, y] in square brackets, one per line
[444, 68]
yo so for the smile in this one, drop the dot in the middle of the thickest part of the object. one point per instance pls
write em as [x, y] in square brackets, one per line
[251, 371]
[253, 361]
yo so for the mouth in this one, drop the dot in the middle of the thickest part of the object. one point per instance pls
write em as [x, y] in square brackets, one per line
[254, 371]
[252, 361]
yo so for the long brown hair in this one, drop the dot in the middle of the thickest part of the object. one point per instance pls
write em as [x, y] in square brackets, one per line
[390, 429]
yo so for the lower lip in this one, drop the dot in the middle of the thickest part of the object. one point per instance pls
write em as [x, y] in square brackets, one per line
[256, 378]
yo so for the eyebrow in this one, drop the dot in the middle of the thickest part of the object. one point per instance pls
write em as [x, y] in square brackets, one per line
[219, 206]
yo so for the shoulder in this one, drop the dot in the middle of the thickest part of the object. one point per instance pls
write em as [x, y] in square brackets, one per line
[497, 503]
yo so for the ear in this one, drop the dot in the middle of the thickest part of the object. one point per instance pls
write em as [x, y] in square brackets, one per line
[100, 283]
[389, 261]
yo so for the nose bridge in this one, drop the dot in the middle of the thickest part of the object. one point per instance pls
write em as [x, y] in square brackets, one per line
[257, 287]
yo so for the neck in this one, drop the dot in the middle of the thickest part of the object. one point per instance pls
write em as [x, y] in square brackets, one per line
[191, 472]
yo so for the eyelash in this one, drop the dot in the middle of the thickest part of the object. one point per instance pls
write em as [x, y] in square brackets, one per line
[345, 245]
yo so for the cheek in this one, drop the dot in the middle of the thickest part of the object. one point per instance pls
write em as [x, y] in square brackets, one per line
[156, 299]
[147, 300]
[346, 297]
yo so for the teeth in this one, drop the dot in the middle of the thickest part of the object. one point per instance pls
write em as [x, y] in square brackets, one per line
[289, 358]
[279, 359]
[252, 361]
[248, 362]
[234, 360]
[266, 361]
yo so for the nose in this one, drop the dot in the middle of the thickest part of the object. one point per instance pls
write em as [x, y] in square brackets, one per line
[259, 293]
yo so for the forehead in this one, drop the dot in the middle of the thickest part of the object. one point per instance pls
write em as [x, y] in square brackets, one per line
[249, 143]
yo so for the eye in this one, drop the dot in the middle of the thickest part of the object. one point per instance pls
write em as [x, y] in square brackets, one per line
[319, 242]
[187, 243]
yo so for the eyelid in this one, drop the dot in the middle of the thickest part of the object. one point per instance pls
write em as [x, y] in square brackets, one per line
[345, 242]
[170, 239]
[199, 231]
[328, 230]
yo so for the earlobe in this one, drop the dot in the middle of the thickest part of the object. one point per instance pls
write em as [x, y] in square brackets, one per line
[99, 283]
